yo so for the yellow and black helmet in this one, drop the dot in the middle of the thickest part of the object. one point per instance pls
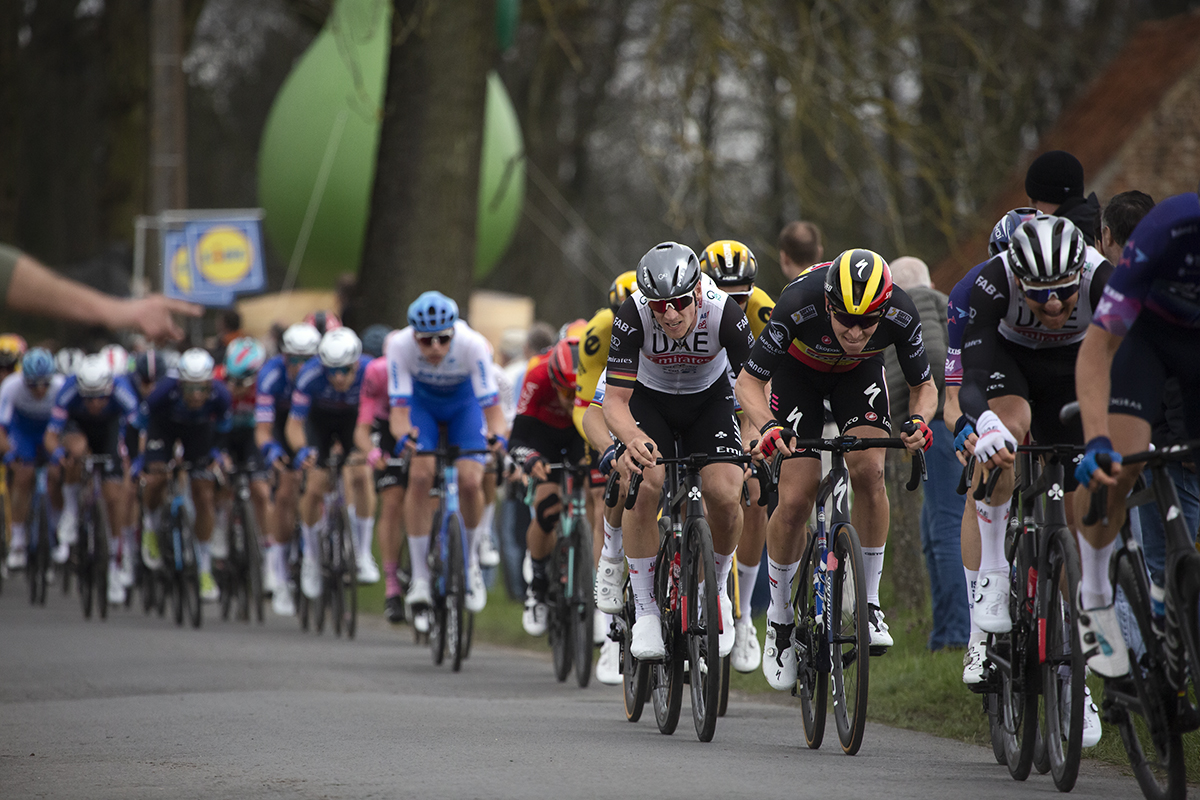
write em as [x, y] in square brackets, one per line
[622, 286]
[729, 263]
[858, 282]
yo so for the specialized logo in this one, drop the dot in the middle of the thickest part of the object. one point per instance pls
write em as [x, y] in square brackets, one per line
[839, 492]
[872, 392]
[861, 267]
[793, 418]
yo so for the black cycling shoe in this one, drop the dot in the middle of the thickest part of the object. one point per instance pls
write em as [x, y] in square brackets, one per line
[393, 609]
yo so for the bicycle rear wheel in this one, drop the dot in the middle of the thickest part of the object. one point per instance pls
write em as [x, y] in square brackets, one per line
[991, 705]
[456, 584]
[336, 568]
[703, 628]
[350, 586]
[812, 652]
[559, 627]
[38, 563]
[583, 604]
[1142, 711]
[850, 652]
[1063, 667]
[100, 564]
[635, 675]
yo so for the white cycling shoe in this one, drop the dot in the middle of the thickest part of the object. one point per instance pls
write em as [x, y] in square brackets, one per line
[647, 640]
[608, 666]
[610, 586]
[368, 570]
[779, 657]
[728, 635]
[991, 602]
[476, 599]
[310, 577]
[535, 616]
[747, 654]
[973, 659]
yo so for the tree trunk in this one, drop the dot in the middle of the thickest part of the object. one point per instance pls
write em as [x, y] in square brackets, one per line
[906, 565]
[421, 232]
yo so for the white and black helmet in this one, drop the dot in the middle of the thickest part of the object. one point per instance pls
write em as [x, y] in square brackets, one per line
[301, 339]
[1046, 249]
[340, 347]
[195, 366]
[68, 359]
[669, 270]
[94, 377]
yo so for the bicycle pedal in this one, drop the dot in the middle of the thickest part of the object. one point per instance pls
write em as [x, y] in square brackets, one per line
[878, 650]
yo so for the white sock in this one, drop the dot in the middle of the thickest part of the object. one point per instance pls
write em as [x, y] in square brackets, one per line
[747, 578]
[873, 564]
[613, 549]
[473, 535]
[1095, 589]
[781, 575]
[366, 534]
[308, 535]
[972, 576]
[71, 498]
[418, 553]
[724, 564]
[277, 563]
[204, 556]
[18, 537]
[220, 535]
[993, 524]
[486, 523]
[128, 545]
[641, 579]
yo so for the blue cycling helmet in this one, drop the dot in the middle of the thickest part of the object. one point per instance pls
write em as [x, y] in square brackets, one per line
[38, 365]
[432, 312]
[1002, 233]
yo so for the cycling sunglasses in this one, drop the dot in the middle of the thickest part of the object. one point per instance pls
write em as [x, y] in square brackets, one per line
[1042, 294]
[296, 361]
[741, 298]
[427, 340]
[863, 321]
[36, 385]
[678, 303]
[346, 370]
[196, 388]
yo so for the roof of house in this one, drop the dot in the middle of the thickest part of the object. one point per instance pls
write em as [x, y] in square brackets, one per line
[1099, 122]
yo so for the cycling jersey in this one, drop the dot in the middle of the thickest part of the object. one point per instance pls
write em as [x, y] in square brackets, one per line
[273, 398]
[1159, 269]
[957, 308]
[199, 430]
[640, 352]
[70, 406]
[998, 311]
[539, 396]
[314, 391]
[801, 328]
[24, 416]
[593, 358]
[543, 425]
[410, 374]
[373, 399]
[758, 311]
[243, 401]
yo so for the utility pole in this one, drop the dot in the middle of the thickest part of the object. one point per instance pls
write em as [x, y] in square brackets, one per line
[168, 108]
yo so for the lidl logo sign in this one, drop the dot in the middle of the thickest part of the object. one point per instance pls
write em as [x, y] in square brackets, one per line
[212, 261]
[224, 255]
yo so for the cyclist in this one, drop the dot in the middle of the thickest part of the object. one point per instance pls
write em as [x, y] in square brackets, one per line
[189, 407]
[542, 430]
[734, 268]
[826, 340]
[67, 360]
[674, 342]
[438, 374]
[372, 436]
[276, 382]
[1144, 330]
[12, 348]
[323, 321]
[958, 307]
[606, 522]
[324, 413]
[92, 410]
[26, 400]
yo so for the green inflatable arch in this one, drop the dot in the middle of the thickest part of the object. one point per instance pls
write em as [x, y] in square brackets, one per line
[322, 132]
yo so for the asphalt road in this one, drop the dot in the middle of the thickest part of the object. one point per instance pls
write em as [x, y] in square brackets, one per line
[134, 708]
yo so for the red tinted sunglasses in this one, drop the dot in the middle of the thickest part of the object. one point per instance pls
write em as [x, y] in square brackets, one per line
[678, 303]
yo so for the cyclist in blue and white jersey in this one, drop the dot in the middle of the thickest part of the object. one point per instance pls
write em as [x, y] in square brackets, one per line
[324, 412]
[273, 403]
[1145, 329]
[438, 373]
[93, 411]
[26, 400]
[189, 407]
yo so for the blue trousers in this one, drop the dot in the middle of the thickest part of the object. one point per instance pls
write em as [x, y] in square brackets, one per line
[1154, 543]
[941, 524]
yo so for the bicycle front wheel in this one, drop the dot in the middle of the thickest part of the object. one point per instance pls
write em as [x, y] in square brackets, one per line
[812, 650]
[100, 565]
[583, 605]
[635, 675]
[350, 583]
[666, 677]
[850, 648]
[703, 628]
[456, 584]
[1063, 668]
[559, 627]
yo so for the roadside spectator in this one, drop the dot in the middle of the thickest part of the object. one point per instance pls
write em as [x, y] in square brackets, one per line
[1054, 183]
[28, 286]
[940, 515]
[799, 248]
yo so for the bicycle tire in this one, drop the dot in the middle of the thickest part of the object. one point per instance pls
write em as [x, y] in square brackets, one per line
[190, 579]
[85, 554]
[1155, 750]
[350, 567]
[723, 704]
[457, 596]
[39, 560]
[227, 584]
[1018, 695]
[991, 705]
[236, 576]
[1063, 649]
[812, 665]
[335, 583]
[100, 561]
[703, 635]
[1187, 609]
[558, 627]
[635, 675]
[583, 601]
[666, 681]
[850, 653]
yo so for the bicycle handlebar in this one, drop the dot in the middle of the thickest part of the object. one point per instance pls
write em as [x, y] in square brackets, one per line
[847, 444]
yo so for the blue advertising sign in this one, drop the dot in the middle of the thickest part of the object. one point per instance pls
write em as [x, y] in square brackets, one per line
[226, 256]
[179, 274]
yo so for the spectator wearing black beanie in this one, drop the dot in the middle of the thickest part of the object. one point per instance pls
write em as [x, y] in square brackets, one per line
[1054, 183]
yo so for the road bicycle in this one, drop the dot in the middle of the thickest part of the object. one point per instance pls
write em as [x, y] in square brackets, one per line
[180, 574]
[92, 542]
[688, 603]
[240, 581]
[339, 564]
[570, 597]
[832, 629]
[1041, 655]
[1151, 706]
[40, 541]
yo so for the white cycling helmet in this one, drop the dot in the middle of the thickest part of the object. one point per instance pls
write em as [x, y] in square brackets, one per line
[301, 339]
[117, 357]
[68, 359]
[195, 366]
[340, 347]
[1046, 249]
[94, 378]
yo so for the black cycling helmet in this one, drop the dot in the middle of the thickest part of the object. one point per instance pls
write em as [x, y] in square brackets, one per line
[668, 270]
[149, 366]
[373, 338]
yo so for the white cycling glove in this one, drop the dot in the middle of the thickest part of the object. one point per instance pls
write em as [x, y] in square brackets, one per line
[992, 437]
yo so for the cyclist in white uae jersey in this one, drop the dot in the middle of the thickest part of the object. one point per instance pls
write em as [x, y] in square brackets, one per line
[672, 342]
[438, 374]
